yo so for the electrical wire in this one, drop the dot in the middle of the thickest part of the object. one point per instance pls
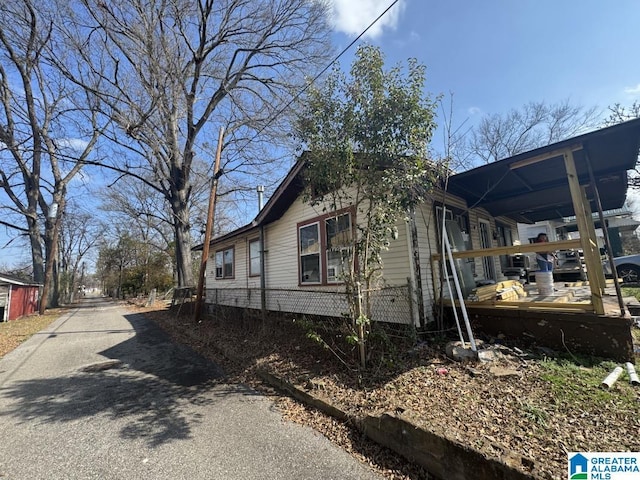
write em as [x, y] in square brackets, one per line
[314, 79]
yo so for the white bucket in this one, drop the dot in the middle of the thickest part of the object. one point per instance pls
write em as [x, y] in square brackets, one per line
[544, 282]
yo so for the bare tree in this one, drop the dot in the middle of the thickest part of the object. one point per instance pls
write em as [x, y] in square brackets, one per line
[48, 129]
[619, 113]
[80, 232]
[534, 125]
[176, 69]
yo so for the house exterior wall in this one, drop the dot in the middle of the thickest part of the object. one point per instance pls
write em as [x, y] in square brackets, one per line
[282, 283]
[476, 215]
[429, 244]
[23, 301]
[281, 245]
[285, 293]
[4, 303]
[241, 278]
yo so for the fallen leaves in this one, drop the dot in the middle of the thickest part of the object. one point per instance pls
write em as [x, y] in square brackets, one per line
[502, 408]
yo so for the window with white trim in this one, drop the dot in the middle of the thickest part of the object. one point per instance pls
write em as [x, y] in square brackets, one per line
[338, 245]
[325, 249]
[309, 244]
[254, 258]
[224, 263]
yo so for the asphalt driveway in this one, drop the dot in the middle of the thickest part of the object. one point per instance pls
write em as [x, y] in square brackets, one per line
[102, 394]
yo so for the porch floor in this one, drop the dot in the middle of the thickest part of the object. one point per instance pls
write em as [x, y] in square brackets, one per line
[579, 293]
[569, 296]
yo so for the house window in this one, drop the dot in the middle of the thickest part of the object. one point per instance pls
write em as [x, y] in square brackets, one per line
[461, 218]
[254, 258]
[339, 235]
[309, 238]
[224, 263]
[505, 239]
[325, 246]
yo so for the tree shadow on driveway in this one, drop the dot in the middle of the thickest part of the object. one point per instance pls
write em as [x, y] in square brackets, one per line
[154, 389]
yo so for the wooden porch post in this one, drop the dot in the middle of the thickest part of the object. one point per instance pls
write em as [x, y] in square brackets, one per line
[592, 234]
[588, 243]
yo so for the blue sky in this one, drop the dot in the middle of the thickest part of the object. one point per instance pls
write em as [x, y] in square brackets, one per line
[495, 55]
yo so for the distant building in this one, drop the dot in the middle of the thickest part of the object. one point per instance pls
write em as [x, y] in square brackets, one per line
[17, 297]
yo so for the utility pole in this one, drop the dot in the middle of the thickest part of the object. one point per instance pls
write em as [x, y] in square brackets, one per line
[209, 227]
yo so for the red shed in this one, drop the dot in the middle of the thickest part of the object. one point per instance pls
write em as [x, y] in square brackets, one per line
[17, 297]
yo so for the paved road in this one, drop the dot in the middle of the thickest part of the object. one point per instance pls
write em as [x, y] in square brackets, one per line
[102, 394]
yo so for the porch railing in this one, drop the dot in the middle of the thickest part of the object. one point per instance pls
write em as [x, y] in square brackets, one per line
[594, 271]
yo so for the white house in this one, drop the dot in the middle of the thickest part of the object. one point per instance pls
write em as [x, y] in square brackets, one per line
[285, 260]
[288, 259]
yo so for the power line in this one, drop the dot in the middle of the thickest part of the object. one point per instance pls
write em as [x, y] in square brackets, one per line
[314, 79]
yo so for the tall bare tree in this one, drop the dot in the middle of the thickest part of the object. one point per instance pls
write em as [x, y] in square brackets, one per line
[619, 113]
[48, 129]
[80, 232]
[175, 70]
[534, 125]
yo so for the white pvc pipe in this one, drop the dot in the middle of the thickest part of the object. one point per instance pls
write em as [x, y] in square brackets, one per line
[633, 376]
[612, 377]
[459, 293]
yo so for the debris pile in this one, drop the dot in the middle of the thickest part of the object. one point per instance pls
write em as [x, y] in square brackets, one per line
[505, 291]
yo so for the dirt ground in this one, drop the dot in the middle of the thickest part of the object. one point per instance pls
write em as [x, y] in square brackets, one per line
[534, 403]
[13, 333]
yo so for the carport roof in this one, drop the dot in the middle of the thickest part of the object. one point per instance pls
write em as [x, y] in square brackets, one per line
[533, 186]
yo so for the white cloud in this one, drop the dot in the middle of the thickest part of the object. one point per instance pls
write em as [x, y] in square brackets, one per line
[474, 111]
[76, 144]
[353, 16]
[632, 90]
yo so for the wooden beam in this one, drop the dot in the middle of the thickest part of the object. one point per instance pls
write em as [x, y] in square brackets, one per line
[512, 249]
[585, 239]
[545, 156]
[594, 241]
[526, 305]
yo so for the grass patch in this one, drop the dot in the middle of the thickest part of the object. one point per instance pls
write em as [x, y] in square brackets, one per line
[578, 384]
[534, 413]
[13, 333]
[631, 292]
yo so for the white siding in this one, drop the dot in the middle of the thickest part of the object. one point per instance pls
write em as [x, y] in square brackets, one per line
[281, 245]
[282, 278]
[241, 278]
[282, 265]
[395, 260]
[427, 245]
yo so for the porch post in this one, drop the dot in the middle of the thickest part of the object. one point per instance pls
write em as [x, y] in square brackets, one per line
[592, 234]
[588, 243]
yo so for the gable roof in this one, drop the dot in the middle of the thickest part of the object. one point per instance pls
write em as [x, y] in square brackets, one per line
[13, 280]
[282, 198]
[521, 187]
[532, 186]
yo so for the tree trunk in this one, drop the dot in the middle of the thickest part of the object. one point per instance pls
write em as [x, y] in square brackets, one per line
[182, 235]
[50, 290]
[35, 240]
